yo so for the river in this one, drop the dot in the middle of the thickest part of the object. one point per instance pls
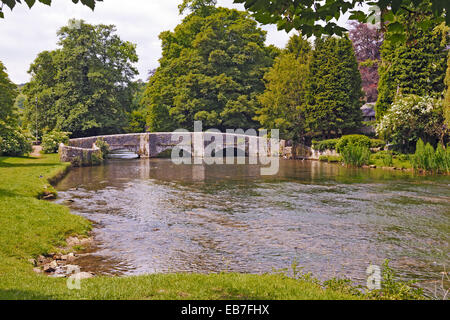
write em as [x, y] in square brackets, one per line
[154, 216]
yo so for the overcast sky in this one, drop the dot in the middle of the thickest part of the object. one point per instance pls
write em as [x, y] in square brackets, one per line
[24, 32]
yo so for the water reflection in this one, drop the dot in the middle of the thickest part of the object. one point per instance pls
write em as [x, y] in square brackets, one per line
[156, 216]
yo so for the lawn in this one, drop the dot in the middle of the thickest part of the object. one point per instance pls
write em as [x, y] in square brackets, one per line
[30, 227]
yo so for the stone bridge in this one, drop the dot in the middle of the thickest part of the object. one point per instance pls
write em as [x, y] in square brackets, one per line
[197, 144]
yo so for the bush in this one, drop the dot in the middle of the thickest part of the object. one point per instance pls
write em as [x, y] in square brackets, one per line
[103, 146]
[330, 158]
[354, 139]
[323, 145]
[14, 143]
[377, 143]
[388, 160]
[355, 155]
[52, 140]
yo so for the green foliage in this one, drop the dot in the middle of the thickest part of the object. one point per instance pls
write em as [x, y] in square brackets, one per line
[377, 143]
[413, 67]
[447, 95]
[211, 69]
[85, 86]
[355, 154]
[12, 3]
[8, 93]
[96, 158]
[427, 159]
[103, 146]
[303, 14]
[323, 145]
[330, 158]
[411, 118]
[334, 89]
[137, 122]
[283, 101]
[355, 139]
[14, 143]
[392, 289]
[388, 160]
[52, 140]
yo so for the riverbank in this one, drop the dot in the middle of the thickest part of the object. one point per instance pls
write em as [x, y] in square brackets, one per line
[31, 227]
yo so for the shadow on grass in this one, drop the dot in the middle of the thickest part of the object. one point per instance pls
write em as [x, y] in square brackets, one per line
[23, 295]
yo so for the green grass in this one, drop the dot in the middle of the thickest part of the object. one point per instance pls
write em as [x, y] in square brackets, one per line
[30, 227]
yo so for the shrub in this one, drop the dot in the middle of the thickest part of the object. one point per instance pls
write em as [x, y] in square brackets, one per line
[426, 158]
[96, 158]
[52, 140]
[355, 155]
[103, 146]
[388, 160]
[355, 139]
[14, 143]
[377, 143]
[323, 145]
[330, 158]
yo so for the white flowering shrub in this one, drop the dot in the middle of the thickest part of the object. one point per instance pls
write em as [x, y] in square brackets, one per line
[14, 143]
[411, 118]
[52, 140]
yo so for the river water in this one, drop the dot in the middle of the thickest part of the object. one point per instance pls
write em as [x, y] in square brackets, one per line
[154, 216]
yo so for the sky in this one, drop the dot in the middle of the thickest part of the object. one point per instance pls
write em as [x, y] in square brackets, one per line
[24, 33]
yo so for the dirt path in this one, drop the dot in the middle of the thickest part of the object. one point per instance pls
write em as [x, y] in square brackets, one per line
[36, 151]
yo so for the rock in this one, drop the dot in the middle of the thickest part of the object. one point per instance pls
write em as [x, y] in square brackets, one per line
[70, 257]
[50, 267]
[57, 256]
[372, 166]
[42, 260]
[33, 262]
[73, 241]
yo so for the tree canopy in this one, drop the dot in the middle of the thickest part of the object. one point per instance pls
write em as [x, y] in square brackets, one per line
[8, 93]
[334, 88]
[303, 15]
[283, 101]
[211, 69]
[85, 86]
[30, 3]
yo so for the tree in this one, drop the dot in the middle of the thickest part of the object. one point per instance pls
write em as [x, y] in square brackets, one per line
[84, 87]
[12, 3]
[8, 93]
[283, 101]
[211, 70]
[367, 41]
[334, 89]
[447, 95]
[414, 67]
[303, 15]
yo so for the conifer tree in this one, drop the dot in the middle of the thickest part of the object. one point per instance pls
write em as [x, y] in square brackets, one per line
[334, 88]
[416, 66]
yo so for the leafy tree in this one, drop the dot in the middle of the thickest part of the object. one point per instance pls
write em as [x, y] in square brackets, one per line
[283, 101]
[85, 86]
[411, 118]
[414, 67]
[12, 3]
[303, 15]
[367, 41]
[211, 69]
[8, 93]
[447, 95]
[334, 89]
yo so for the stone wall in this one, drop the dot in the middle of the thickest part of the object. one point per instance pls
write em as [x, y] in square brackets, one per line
[79, 156]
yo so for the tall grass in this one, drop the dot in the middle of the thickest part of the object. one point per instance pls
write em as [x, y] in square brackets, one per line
[428, 159]
[355, 155]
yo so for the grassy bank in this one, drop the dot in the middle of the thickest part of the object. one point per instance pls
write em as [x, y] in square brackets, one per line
[30, 227]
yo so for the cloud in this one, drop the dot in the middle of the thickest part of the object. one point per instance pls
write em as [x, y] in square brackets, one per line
[25, 33]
